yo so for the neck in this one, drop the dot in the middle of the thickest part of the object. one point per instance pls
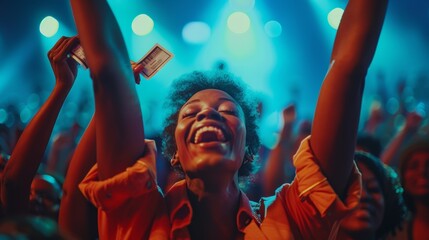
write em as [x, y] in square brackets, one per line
[221, 204]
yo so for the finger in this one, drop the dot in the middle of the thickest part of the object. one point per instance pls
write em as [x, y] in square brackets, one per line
[52, 51]
[65, 48]
[69, 45]
[57, 51]
[137, 77]
[59, 42]
[72, 65]
[138, 68]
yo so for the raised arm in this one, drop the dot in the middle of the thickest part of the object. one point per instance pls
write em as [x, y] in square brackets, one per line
[29, 150]
[78, 217]
[119, 124]
[275, 169]
[338, 108]
[390, 154]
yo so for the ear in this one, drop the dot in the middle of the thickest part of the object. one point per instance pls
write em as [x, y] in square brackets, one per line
[175, 160]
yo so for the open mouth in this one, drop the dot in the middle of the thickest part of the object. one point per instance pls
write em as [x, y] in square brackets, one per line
[208, 134]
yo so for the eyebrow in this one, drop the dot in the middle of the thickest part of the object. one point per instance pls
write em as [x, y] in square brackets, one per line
[220, 99]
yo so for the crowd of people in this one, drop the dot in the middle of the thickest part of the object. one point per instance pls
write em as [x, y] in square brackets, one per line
[326, 178]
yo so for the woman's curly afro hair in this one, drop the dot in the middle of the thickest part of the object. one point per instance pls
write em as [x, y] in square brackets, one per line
[395, 209]
[187, 85]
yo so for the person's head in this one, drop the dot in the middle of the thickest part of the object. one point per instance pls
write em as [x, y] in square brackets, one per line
[211, 126]
[368, 143]
[45, 196]
[381, 209]
[414, 171]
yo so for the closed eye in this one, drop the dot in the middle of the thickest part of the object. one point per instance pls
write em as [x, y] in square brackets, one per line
[229, 112]
[189, 114]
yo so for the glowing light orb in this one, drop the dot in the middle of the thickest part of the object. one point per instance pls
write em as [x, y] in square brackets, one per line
[196, 32]
[49, 26]
[142, 25]
[273, 29]
[238, 22]
[334, 17]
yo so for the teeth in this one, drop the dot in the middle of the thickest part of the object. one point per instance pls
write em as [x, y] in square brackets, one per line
[219, 134]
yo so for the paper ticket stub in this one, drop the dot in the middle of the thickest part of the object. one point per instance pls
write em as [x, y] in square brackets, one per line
[154, 60]
[151, 63]
[79, 56]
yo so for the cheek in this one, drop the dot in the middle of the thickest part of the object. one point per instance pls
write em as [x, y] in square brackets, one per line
[179, 133]
[380, 206]
[408, 176]
[240, 141]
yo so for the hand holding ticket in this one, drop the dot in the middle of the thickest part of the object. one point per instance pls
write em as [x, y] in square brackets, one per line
[153, 61]
[148, 65]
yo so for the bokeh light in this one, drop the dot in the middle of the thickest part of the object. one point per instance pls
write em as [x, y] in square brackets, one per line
[49, 26]
[392, 105]
[142, 25]
[238, 22]
[25, 115]
[334, 17]
[273, 29]
[196, 32]
[3, 115]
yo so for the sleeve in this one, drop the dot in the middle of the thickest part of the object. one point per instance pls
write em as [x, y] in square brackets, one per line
[311, 203]
[135, 181]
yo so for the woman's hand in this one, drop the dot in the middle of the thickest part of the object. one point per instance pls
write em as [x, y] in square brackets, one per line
[65, 68]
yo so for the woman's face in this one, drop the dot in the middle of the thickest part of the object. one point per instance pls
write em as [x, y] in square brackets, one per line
[416, 174]
[368, 215]
[44, 198]
[210, 134]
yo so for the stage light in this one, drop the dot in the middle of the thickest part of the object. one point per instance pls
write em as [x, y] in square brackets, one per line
[196, 32]
[334, 17]
[273, 29]
[49, 26]
[142, 25]
[25, 115]
[238, 22]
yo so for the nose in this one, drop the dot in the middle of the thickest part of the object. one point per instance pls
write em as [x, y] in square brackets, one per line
[209, 113]
[35, 198]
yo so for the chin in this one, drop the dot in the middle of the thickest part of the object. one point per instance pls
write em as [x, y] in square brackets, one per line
[212, 163]
[354, 224]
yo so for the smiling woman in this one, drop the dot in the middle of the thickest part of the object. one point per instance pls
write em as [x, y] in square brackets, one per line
[381, 209]
[211, 134]
[237, 101]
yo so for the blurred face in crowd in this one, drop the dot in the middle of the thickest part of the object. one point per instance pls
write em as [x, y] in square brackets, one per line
[416, 174]
[210, 134]
[367, 217]
[45, 196]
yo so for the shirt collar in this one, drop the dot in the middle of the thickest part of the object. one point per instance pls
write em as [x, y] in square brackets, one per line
[180, 209]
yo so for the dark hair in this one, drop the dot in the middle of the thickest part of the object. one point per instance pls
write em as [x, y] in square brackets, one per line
[187, 85]
[420, 144]
[395, 208]
[369, 143]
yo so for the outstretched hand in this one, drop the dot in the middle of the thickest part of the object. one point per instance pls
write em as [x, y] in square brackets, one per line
[65, 68]
[289, 114]
[413, 121]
